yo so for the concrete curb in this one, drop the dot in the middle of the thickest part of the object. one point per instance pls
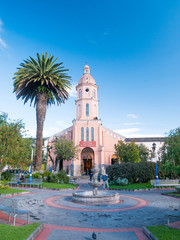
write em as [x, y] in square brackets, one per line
[36, 232]
[149, 234]
[140, 190]
[13, 194]
[170, 195]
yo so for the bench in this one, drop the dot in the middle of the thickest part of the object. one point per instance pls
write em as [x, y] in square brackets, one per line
[11, 206]
[13, 181]
[165, 183]
[34, 182]
[26, 182]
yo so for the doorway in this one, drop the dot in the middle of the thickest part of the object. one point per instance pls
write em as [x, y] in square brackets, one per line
[87, 157]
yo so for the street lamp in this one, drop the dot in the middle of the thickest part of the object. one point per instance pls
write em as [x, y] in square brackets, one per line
[30, 176]
[155, 159]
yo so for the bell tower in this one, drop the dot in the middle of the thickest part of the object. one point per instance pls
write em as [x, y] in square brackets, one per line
[87, 102]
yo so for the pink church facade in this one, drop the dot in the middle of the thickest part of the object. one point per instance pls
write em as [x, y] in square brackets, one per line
[95, 142]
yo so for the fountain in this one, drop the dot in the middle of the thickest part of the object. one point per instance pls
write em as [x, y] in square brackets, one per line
[95, 197]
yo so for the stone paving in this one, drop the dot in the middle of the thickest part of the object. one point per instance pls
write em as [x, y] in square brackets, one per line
[63, 218]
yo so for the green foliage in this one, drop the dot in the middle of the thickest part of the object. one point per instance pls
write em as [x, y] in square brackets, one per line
[164, 232]
[132, 186]
[64, 149]
[170, 153]
[60, 177]
[57, 185]
[6, 176]
[143, 152]
[36, 175]
[2, 187]
[14, 149]
[44, 76]
[137, 172]
[46, 174]
[134, 172]
[8, 232]
[127, 152]
[43, 82]
[122, 181]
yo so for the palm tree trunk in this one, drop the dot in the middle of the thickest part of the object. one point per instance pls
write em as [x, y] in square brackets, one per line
[41, 103]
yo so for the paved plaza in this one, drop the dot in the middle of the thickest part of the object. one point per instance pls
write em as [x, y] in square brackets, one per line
[64, 219]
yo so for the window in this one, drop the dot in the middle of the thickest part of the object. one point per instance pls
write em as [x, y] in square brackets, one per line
[87, 90]
[94, 94]
[82, 134]
[92, 134]
[87, 110]
[80, 93]
[87, 134]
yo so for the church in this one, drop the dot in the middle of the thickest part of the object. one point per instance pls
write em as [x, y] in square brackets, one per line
[95, 142]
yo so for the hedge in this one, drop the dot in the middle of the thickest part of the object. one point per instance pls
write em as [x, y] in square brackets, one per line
[135, 172]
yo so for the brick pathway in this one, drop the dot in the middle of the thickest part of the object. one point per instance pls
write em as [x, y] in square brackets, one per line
[64, 219]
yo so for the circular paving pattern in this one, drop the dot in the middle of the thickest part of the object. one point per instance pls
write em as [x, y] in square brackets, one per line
[127, 203]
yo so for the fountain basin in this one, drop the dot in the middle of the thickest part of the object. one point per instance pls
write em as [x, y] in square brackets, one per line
[101, 198]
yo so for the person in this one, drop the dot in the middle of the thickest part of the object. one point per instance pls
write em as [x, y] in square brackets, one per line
[21, 179]
[91, 175]
[99, 177]
[105, 181]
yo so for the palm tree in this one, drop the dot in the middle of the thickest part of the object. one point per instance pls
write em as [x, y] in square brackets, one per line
[43, 82]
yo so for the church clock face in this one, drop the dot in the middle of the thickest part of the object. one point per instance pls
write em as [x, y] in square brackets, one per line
[87, 90]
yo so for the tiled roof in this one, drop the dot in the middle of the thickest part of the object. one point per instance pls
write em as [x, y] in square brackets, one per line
[146, 139]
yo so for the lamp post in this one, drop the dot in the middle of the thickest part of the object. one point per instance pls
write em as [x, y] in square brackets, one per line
[155, 159]
[32, 148]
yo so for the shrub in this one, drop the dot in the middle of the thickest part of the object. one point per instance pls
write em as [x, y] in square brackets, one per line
[45, 175]
[37, 175]
[60, 177]
[6, 176]
[2, 187]
[136, 172]
[122, 181]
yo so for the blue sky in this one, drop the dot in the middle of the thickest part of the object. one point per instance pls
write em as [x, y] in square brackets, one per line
[132, 48]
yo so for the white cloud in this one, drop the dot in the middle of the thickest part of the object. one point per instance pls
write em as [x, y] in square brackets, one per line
[132, 124]
[72, 91]
[3, 44]
[127, 131]
[131, 115]
[133, 133]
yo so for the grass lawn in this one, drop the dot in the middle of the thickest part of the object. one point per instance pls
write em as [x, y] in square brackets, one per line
[8, 232]
[132, 186]
[165, 233]
[58, 185]
[174, 193]
[11, 190]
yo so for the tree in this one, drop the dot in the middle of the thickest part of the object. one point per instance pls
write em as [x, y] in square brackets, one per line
[170, 153]
[64, 150]
[43, 82]
[127, 152]
[143, 152]
[15, 151]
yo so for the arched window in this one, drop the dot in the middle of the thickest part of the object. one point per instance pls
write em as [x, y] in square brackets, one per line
[94, 94]
[80, 93]
[87, 109]
[92, 134]
[82, 134]
[87, 134]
